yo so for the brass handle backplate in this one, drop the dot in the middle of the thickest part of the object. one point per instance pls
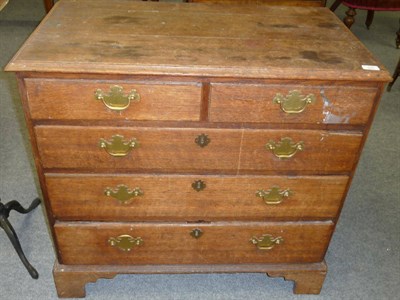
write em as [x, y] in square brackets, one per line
[115, 98]
[202, 140]
[122, 193]
[286, 148]
[294, 102]
[125, 242]
[117, 146]
[199, 185]
[273, 195]
[266, 241]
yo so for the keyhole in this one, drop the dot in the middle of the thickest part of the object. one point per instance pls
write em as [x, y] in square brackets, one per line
[202, 140]
[199, 185]
[196, 233]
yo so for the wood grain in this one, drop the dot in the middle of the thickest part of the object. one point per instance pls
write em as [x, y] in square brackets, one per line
[324, 151]
[75, 99]
[306, 280]
[172, 198]
[50, 220]
[71, 284]
[266, 2]
[174, 150]
[162, 149]
[71, 279]
[134, 37]
[86, 243]
[254, 103]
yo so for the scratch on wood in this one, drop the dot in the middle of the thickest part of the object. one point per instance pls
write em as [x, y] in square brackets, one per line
[284, 26]
[333, 114]
[123, 20]
[328, 25]
[240, 153]
[238, 58]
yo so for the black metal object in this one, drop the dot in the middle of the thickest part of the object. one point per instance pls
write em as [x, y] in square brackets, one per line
[6, 225]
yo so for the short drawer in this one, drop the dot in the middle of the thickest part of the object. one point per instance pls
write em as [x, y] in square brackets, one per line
[180, 243]
[297, 151]
[263, 103]
[113, 100]
[141, 149]
[193, 197]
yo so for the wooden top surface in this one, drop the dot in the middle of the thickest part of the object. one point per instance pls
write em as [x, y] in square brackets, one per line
[130, 37]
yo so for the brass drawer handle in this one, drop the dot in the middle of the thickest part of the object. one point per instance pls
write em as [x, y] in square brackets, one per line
[294, 102]
[266, 241]
[125, 242]
[117, 146]
[199, 185]
[285, 148]
[122, 193]
[202, 140]
[115, 98]
[273, 195]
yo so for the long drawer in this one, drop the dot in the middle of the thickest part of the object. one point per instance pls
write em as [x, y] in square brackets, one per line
[175, 243]
[191, 198]
[113, 100]
[196, 150]
[290, 103]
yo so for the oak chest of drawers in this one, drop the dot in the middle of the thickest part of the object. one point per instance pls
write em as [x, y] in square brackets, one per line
[172, 138]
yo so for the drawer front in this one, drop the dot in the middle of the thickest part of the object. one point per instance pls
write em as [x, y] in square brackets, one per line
[77, 99]
[193, 198]
[175, 150]
[322, 152]
[255, 103]
[220, 243]
[155, 149]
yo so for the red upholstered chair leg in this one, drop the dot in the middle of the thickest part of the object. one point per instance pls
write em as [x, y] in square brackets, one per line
[349, 19]
[48, 4]
[370, 18]
[395, 76]
[335, 5]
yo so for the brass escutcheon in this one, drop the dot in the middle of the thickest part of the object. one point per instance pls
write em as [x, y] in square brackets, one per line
[199, 185]
[202, 140]
[125, 242]
[115, 99]
[294, 102]
[122, 193]
[117, 146]
[196, 233]
[273, 195]
[285, 148]
[266, 241]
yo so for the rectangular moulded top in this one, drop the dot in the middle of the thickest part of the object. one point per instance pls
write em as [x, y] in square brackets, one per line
[182, 39]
